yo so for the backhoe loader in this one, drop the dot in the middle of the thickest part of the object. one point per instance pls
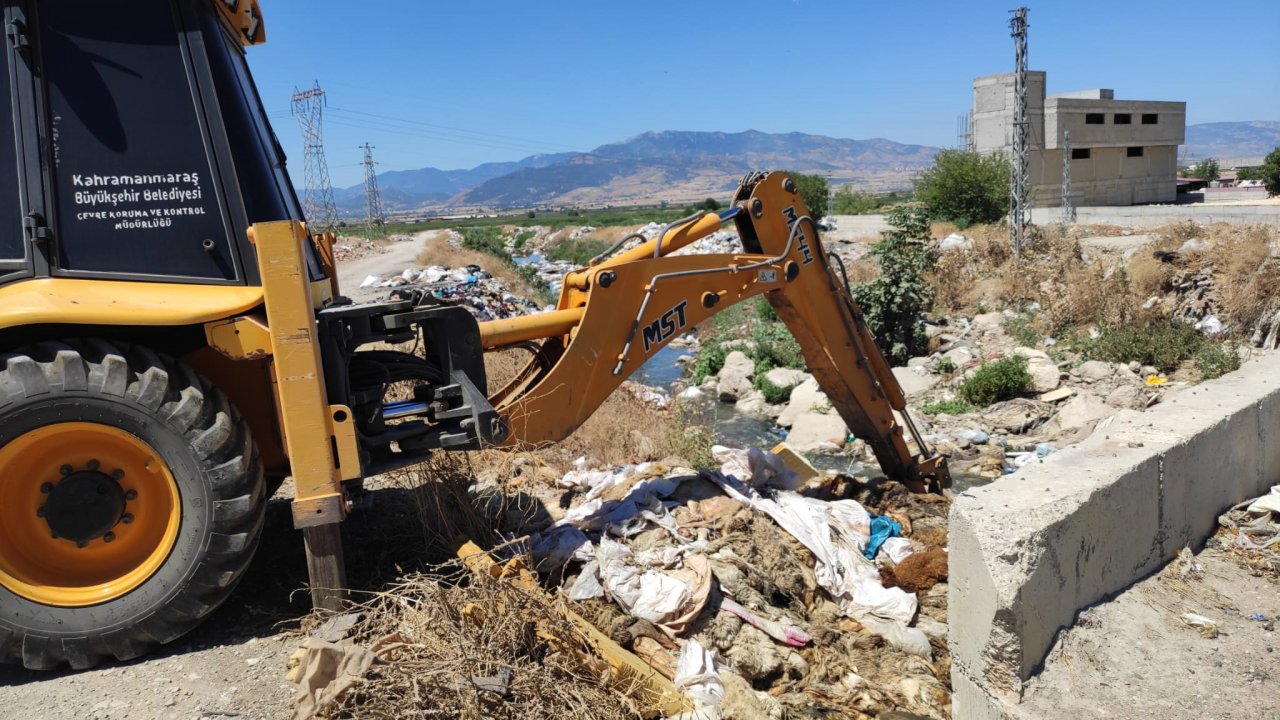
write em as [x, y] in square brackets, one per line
[174, 343]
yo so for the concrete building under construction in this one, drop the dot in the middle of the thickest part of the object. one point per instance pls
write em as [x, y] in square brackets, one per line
[1123, 152]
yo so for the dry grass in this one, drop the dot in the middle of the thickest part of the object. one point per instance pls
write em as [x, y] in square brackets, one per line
[437, 250]
[1074, 291]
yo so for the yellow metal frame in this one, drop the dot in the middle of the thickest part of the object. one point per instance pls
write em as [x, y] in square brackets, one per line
[115, 302]
[246, 17]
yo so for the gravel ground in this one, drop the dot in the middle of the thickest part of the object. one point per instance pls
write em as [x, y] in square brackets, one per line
[1134, 657]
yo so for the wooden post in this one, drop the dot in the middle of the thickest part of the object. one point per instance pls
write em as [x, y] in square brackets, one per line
[326, 566]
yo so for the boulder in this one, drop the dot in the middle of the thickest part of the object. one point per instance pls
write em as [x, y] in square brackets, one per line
[817, 432]
[987, 322]
[916, 362]
[1095, 370]
[753, 403]
[786, 377]
[1082, 411]
[912, 382]
[1016, 416]
[1045, 375]
[735, 377]
[961, 356]
[806, 397]
[1127, 397]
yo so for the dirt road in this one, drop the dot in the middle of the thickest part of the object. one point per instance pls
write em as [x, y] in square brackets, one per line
[394, 257]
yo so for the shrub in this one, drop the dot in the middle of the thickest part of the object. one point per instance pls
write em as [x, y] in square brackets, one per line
[773, 394]
[946, 407]
[709, 362]
[524, 237]
[1023, 329]
[894, 303]
[946, 365]
[1270, 174]
[484, 239]
[1002, 379]
[578, 251]
[966, 188]
[848, 202]
[1163, 345]
[776, 347]
[1215, 360]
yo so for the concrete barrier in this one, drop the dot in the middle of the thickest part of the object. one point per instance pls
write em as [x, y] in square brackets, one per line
[1154, 215]
[1031, 550]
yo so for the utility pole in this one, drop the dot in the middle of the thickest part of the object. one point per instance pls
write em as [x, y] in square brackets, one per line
[1019, 199]
[317, 200]
[1068, 208]
[372, 198]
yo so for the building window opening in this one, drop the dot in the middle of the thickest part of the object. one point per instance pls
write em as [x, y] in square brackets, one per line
[1093, 119]
[1150, 118]
[1123, 118]
[1079, 153]
[1135, 151]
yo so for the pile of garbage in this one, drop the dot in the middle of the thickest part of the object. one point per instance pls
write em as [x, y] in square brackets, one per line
[484, 295]
[1251, 532]
[763, 589]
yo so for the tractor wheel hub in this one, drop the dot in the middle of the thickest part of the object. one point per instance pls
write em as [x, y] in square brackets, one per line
[84, 506]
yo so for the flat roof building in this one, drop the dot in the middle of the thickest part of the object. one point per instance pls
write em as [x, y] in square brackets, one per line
[1123, 152]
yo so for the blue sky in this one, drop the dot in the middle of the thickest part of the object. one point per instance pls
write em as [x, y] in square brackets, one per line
[452, 85]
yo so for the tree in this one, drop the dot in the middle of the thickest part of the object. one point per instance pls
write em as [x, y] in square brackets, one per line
[966, 187]
[895, 302]
[711, 204]
[1271, 172]
[1249, 173]
[813, 190]
[1207, 170]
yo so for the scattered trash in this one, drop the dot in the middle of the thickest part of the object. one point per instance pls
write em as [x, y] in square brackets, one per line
[1210, 326]
[955, 241]
[1202, 624]
[1193, 245]
[882, 528]
[1155, 381]
[977, 437]
[1259, 617]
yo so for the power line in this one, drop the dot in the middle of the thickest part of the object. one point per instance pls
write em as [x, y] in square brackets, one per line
[1021, 175]
[372, 197]
[308, 107]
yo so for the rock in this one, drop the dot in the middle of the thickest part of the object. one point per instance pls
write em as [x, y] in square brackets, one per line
[1127, 397]
[1045, 375]
[914, 383]
[735, 377]
[916, 362]
[748, 345]
[1095, 370]
[987, 322]
[817, 432]
[1134, 366]
[1148, 370]
[1059, 394]
[806, 397]
[753, 403]
[786, 377]
[1081, 411]
[932, 331]
[1016, 416]
[961, 356]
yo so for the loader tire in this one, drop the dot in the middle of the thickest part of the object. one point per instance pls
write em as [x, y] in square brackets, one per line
[131, 502]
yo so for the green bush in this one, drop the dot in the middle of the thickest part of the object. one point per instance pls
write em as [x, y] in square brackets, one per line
[773, 394]
[1270, 173]
[966, 188]
[895, 302]
[764, 310]
[1023, 329]
[578, 252]
[1002, 379]
[709, 361]
[946, 407]
[1163, 345]
[1215, 360]
[946, 365]
[776, 347]
[523, 237]
[485, 239]
[848, 202]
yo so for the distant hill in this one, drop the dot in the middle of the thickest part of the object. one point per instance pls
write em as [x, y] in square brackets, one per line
[1232, 140]
[654, 166]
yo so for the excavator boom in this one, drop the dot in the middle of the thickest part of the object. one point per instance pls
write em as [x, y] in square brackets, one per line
[615, 314]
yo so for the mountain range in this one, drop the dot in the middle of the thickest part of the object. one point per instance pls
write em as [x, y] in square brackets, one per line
[679, 166]
[651, 167]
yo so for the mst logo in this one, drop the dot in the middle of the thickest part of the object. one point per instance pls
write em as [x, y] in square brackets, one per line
[805, 250]
[671, 322]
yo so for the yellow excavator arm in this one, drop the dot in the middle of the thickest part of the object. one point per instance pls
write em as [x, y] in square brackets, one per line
[615, 314]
